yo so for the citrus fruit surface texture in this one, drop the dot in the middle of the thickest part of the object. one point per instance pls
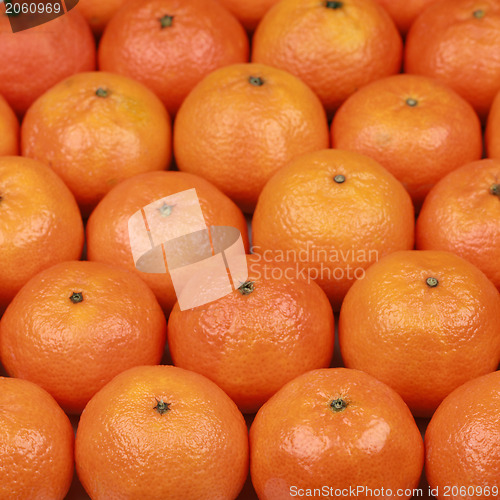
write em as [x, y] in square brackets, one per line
[9, 130]
[336, 427]
[107, 229]
[458, 42]
[254, 340]
[40, 224]
[403, 13]
[170, 45]
[96, 129]
[36, 59]
[249, 13]
[334, 47]
[75, 326]
[462, 440]
[333, 213]
[429, 323]
[193, 435]
[462, 215]
[242, 123]
[36, 452]
[417, 128]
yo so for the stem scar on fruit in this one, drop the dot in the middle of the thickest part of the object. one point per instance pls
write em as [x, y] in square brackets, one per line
[339, 179]
[101, 92]
[334, 5]
[166, 21]
[479, 13]
[411, 102]
[494, 190]
[339, 404]
[76, 297]
[166, 209]
[432, 282]
[247, 288]
[161, 407]
[256, 81]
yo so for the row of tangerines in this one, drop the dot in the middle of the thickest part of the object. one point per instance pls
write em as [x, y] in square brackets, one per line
[164, 432]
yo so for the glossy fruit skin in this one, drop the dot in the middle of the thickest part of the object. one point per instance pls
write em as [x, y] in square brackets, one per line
[36, 59]
[94, 142]
[422, 340]
[201, 37]
[197, 450]
[341, 227]
[107, 228]
[492, 132]
[248, 13]
[72, 349]
[250, 343]
[40, 223]
[237, 134]
[98, 13]
[36, 443]
[448, 41]
[9, 130]
[297, 439]
[378, 121]
[462, 440]
[334, 50]
[461, 215]
[404, 13]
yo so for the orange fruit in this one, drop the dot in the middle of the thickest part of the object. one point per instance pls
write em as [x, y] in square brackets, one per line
[403, 13]
[36, 59]
[334, 431]
[99, 13]
[40, 224]
[244, 122]
[192, 434]
[333, 213]
[36, 444]
[334, 47]
[462, 442]
[457, 42]
[170, 45]
[462, 215]
[254, 340]
[416, 127]
[107, 229]
[492, 132]
[249, 13]
[75, 326]
[9, 130]
[429, 323]
[96, 129]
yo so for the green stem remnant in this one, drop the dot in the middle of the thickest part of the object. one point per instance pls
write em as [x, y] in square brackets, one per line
[478, 14]
[166, 21]
[166, 210]
[411, 102]
[76, 297]
[247, 288]
[494, 190]
[256, 81]
[338, 404]
[161, 407]
[339, 179]
[432, 282]
[100, 92]
[334, 5]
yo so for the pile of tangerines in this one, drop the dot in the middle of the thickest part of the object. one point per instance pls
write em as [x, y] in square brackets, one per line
[360, 142]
